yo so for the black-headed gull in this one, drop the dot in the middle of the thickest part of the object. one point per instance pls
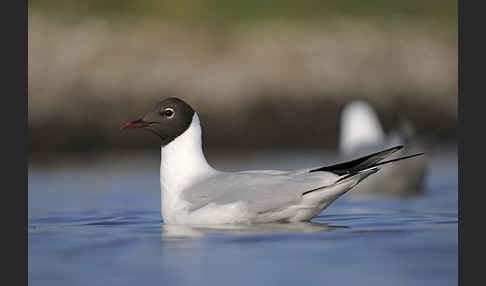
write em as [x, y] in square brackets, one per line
[192, 192]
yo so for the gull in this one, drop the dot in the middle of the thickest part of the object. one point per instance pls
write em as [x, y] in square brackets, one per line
[361, 132]
[194, 193]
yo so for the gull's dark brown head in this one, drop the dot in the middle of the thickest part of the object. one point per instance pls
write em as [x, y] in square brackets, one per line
[168, 119]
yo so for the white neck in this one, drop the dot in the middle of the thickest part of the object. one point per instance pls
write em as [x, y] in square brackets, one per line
[359, 126]
[182, 164]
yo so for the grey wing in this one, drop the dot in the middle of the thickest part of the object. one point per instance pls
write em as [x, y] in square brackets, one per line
[262, 191]
[270, 190]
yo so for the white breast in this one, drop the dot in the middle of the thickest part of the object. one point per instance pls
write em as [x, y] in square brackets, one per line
[182, 165]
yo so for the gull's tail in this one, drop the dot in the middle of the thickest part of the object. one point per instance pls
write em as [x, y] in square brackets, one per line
[364, 163]
[357, 170]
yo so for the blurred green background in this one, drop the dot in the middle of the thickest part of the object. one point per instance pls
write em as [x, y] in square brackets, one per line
[262, 74]
[233, 12]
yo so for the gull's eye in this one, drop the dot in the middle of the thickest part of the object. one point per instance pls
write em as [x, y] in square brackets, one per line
[168, 112]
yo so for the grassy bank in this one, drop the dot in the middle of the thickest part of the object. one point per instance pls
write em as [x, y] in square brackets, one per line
[249, 69]
[236, 12]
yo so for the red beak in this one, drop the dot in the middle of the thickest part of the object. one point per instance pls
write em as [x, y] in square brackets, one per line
[135, 124]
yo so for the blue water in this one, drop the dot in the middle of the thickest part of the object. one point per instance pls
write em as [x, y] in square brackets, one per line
[98, 223]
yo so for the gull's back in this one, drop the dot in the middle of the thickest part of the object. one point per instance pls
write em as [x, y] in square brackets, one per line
[261, 191]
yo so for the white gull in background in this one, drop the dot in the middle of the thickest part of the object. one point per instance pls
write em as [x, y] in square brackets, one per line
[362, 133]
[194, 193]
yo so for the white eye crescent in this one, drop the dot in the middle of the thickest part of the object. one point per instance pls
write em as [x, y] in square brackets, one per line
[168, 112]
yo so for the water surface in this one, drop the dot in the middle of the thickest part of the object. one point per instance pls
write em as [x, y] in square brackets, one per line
[98, 223]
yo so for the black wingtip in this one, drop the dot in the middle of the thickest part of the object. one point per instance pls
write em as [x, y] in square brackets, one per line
[398, 159]
[396, 148]
[359, 164]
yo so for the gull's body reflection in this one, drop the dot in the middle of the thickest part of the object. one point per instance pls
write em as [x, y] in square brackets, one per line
[191, 231]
